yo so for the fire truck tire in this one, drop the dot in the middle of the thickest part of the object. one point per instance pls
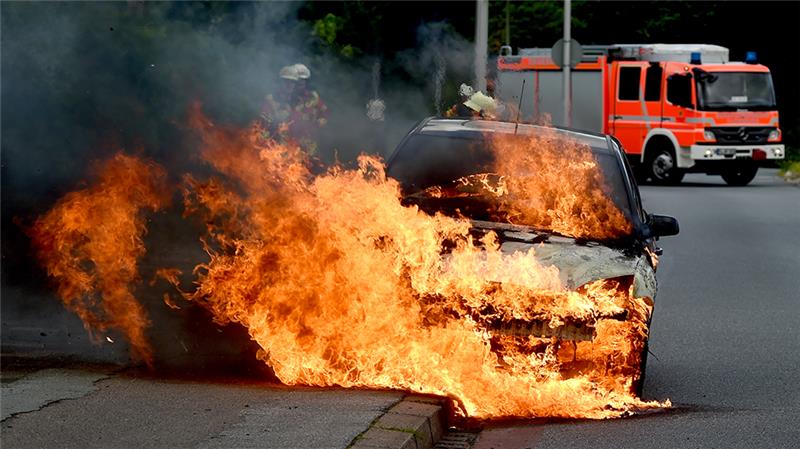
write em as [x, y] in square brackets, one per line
[662, 165]
[740, 174]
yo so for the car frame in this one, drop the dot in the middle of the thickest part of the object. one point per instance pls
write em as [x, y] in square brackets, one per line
[633, 257]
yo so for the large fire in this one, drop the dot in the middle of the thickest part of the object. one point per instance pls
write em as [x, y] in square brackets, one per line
[90, 243]
[340, 283]
[555, 192]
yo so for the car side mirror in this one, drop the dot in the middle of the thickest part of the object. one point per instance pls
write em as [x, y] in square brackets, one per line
[663, 226]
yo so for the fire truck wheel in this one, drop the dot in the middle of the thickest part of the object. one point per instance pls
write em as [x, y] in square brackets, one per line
[740, 174]
[663, 167]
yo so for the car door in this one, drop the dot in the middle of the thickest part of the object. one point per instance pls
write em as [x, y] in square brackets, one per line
[630, 116]
[678, 104]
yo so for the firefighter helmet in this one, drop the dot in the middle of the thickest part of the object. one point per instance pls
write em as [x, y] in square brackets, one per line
[465, 90]
[295, 72]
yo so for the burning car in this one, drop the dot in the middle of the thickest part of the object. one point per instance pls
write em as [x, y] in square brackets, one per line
[571, 198]
[508, 267]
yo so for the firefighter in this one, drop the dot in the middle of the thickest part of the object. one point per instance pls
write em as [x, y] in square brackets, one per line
[296, 112]
[460, 109]
[476, 104]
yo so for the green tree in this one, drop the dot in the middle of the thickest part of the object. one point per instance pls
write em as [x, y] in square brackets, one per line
[531, 24]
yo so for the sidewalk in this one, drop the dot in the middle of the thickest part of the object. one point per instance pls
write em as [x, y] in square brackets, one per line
[94, 407]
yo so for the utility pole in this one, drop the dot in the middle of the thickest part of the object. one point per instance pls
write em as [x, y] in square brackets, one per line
[567, 82]
[481, 43]
[508, 24]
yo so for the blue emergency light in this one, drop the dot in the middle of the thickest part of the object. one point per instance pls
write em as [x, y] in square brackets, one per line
[695, 58]
[751, 57]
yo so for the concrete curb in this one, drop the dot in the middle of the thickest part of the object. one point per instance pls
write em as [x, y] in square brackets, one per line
[416, 422]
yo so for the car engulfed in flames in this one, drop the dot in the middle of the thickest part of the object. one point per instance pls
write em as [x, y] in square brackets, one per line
[598, 242]
[508, 268]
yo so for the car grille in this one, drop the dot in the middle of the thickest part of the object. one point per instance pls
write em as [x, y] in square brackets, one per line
[741, 134]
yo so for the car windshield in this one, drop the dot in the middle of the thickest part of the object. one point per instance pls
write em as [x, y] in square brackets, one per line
[450, 171]
[735, 90]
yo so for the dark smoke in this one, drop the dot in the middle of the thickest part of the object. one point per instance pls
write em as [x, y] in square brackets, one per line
[81, 80]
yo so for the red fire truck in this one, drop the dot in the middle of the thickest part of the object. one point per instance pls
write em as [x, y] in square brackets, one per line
[674, 108]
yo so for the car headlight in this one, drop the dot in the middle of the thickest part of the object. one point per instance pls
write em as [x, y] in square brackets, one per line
[774, 135]
[709, 135]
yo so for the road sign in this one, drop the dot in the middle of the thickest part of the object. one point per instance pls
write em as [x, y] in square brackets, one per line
[575, 53]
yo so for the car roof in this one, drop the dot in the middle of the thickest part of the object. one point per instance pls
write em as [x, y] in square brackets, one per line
[477, 128]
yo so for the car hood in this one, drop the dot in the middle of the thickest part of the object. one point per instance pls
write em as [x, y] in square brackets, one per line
[579, 264]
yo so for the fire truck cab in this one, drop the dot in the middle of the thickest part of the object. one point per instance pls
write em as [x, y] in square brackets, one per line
[674, 108]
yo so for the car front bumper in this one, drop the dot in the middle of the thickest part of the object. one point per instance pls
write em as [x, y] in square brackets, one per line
[729, 152]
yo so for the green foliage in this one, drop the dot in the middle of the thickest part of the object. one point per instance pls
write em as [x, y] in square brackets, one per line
[790, 166]
[790, 171]
[348, 51]
[536, 23]
[792, 159]
[327, 27]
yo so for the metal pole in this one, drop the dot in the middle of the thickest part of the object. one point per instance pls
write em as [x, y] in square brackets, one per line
[566, 70]
[508, 23]
[481, 43]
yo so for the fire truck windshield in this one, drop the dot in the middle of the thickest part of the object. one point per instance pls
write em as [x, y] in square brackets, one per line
[731, 91]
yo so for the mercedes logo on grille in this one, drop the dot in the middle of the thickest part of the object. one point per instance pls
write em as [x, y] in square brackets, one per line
[742, 133]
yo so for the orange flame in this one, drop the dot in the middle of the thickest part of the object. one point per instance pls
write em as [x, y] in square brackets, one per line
[341, 284]
[554, 183]
[90, 243]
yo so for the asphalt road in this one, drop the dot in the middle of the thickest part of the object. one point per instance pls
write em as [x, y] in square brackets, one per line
[726, 328]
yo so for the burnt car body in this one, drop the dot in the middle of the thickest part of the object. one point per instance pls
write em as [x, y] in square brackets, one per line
[433, 154]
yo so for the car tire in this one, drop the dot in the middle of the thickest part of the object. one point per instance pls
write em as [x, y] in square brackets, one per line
[662, 166]
[740, 174]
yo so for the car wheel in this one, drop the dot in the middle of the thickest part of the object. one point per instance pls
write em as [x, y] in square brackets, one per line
[663, 166]
[740, 174]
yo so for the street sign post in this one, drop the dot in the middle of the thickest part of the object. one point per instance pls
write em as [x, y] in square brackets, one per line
[575, 53]
[481, 43]
[566, 53]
